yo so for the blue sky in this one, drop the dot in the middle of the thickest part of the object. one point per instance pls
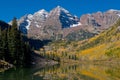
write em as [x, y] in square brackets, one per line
[18, 8]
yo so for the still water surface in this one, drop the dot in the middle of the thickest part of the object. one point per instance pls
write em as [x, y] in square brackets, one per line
[64, 72]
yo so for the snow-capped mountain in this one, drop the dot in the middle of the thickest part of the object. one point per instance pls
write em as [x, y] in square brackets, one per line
[64, 17]
[59, 18]
[40, 15]
[59, 23]
[37, 19]
[24, 23]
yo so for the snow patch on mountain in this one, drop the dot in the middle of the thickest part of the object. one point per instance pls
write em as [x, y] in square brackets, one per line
[118, 15]
[114, 10]
[30, 16]
[42, 11]
[29, 22]
[62, 9]
[75, 25]
[58, 10]
[40, 15]
[38, 26]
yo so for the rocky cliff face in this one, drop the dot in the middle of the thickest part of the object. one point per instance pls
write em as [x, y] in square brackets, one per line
[60, 24]
[62, 17]
[44, 25]
[99, 21]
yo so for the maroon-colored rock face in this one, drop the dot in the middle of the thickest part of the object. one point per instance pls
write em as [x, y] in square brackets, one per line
[100, 21]
[59, 22]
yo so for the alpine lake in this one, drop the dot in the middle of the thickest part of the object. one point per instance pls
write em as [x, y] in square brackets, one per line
[64, 72]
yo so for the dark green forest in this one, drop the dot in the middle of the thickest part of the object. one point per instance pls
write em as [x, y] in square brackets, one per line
[13, 48]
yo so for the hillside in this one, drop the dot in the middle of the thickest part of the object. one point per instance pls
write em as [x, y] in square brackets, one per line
[104, 46]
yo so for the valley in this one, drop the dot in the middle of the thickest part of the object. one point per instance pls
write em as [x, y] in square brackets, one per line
[57, 45]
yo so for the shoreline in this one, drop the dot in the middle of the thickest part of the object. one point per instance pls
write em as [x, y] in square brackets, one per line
[5, 65]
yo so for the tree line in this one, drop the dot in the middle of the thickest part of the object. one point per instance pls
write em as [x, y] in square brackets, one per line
[13, 48]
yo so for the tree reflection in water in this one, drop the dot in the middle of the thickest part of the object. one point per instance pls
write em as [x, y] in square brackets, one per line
[64, 72]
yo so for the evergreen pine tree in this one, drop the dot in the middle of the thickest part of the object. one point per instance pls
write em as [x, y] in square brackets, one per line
[1, 52]
[4, 45]
[12, 47]
[14, 43]
[27, 54]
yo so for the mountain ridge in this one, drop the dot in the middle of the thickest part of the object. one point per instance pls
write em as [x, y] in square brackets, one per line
[59, 21]
[102, 47]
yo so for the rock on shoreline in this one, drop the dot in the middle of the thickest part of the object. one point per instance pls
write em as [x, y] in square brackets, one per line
[5, 65]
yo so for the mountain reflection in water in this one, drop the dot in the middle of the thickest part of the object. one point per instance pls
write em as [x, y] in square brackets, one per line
[64, 72]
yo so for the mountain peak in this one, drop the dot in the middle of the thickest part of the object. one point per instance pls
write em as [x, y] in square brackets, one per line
[113, 10]
[63, 17]
[59, 8]
[40, 15]
[42, 11]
